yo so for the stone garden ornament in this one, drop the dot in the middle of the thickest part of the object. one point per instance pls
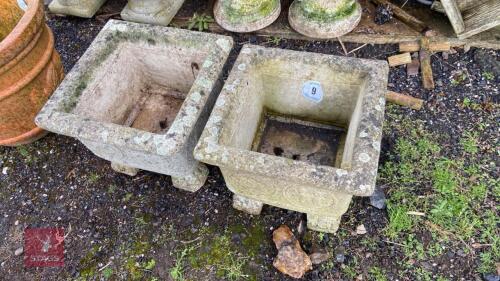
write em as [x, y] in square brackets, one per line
[140, 97]
[246, 15]
[298, 130]
[324, 18]
[78, 8]
[159, 12]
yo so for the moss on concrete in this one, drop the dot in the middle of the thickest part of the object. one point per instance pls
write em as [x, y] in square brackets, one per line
[250, 10]
[315, 12]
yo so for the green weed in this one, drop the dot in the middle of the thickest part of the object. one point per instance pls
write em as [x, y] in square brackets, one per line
[200, 22]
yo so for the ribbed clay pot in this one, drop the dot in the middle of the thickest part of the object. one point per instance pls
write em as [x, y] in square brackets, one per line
[30, 70]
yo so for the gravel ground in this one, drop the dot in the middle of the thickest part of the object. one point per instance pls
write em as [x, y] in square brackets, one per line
[142, 228]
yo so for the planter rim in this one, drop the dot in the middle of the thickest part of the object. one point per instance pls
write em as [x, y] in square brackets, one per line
[54, 117]
[358, 180]
[23, 32]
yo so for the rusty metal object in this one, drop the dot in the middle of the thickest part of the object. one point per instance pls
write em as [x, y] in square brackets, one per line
[30, 70]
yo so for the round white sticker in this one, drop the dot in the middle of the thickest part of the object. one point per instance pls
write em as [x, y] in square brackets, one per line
[312, 91]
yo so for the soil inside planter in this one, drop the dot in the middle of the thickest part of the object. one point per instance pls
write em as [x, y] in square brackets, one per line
[157, 109]
[300, 140]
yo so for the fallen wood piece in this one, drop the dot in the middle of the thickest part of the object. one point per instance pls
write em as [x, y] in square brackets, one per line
[414, 46]
[400, 59]
[413, 68]
[403, 16]
[425, 64]
[404, 100]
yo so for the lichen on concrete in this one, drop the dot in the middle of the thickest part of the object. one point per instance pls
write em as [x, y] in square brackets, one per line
[246, 15]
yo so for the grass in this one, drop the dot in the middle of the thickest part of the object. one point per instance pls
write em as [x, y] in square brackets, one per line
[458, 78]
[488, 75]
[93, 177]
[469, 142]
[177, 272]
[377, 274]
[449, 191]
[26, 153]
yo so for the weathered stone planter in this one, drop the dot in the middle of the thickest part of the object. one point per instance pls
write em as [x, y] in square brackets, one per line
[246, 15]
[159, 12]
[324, 18]
[30, 70]
[299, 131]
[78, 8]
[140, 97]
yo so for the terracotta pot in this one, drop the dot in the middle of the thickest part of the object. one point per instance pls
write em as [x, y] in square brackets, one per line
[30, 70]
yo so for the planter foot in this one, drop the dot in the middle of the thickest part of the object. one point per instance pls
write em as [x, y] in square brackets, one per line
[192, 182]
[127, 170]
[159, 13]
[247, 205]
[323, 223]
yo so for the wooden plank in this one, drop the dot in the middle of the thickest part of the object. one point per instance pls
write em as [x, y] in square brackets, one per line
[454, 15]
[414, 46]
[425, 64]
[404, 100]
[403, 16]
[463, 5]
[400, 59]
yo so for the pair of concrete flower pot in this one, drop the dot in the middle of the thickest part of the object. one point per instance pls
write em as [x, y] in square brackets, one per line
[158, 12]
[313, 18]
[292, 129]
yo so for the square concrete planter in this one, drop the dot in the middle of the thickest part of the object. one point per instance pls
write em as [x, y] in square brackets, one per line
[299, 131]
[78, 8]
[140, 97]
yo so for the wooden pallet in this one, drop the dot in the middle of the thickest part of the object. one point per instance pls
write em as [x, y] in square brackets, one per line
[475, 19]
[369, 32]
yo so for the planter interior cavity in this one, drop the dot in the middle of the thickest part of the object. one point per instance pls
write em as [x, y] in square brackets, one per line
[301, 140]
[140, 97]
[146, 89]
[298, 130]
